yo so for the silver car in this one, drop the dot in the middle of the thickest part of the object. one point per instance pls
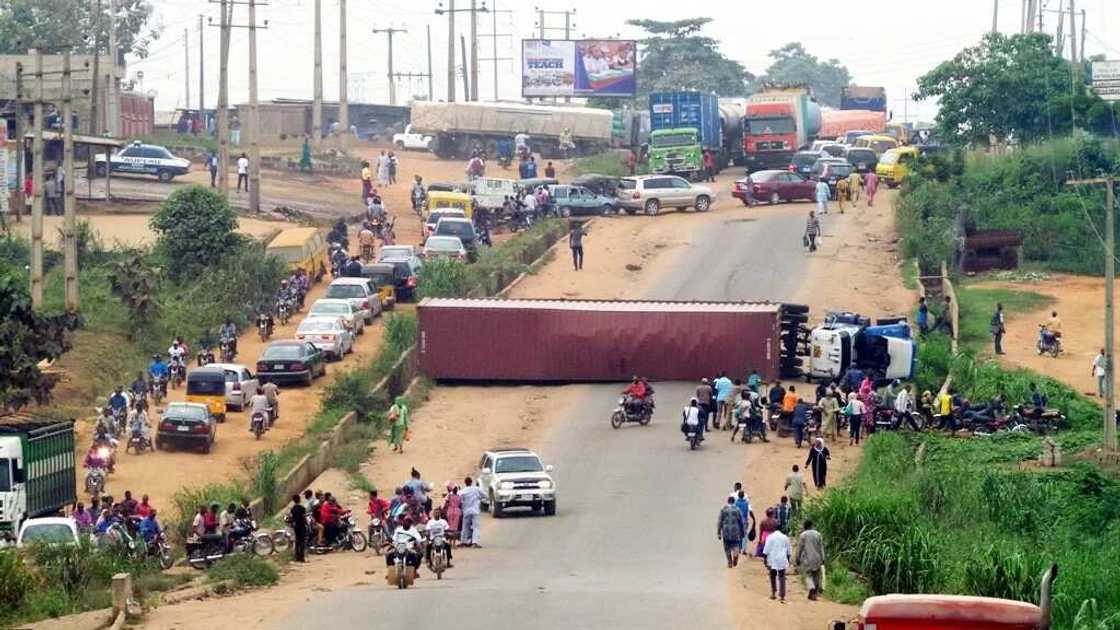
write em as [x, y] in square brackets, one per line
[651, 193]
[241, 384]
[328, 334]
[361, 293]
[351, 317]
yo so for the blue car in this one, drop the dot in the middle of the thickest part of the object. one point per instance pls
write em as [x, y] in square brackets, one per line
[571, 200]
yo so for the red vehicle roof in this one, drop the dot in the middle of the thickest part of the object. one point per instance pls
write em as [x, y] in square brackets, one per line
[769, 109]
[944, 612]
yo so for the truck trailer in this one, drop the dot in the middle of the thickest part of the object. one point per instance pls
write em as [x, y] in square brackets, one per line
[590, 340]
[871, 98]
[837, 122]
[778, 122]
[683, 125]
[37, 469]
[456, 128]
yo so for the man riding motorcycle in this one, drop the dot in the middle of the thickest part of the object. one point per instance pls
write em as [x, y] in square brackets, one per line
[138, 424]
[406, 533]
[157, 369]
[139, 387]
[366, 241]
[264, 318]
[228, 334]
[635, 394]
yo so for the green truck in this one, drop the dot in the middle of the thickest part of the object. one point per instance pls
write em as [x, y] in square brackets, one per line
[37, 469]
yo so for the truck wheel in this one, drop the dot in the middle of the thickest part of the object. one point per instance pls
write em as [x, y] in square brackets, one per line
[652, 207]
[703, 203]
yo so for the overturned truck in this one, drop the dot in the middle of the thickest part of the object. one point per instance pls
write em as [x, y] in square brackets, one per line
[591, 340]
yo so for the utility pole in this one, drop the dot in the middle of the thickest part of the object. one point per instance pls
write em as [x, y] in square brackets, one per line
[187, 69]
[317, 88]
[21, 158]
[37, 187]
[254, 117]
[431, 91]
[494, 35]
[466, 70]
[94, 95]
[343, 79]
[1073, 34]
[1082, 36]
[69, 237]
[474, 51]
[113, 110]
[1109, 304]
[226, 8]
[450, 48]
[201, 76]
[392, 85]
[470, 64]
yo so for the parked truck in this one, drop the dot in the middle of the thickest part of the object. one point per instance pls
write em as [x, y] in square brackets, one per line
[837, 122]
[863, 97]
[37, 469]
[683, 125]
[456, 128]
[778, 122]
[584, 340]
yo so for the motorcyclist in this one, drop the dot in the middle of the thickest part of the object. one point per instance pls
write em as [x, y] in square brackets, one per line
[177, 355]
[376, 209]
[338, 234]
[118, 402]
[139, 387]
[635, 394]
[264, 317]
[138, 423]
[303, 283]
[366, 240]
[259, 404]
[566, 143]
[338, 259]
[228, 334]
[437, 528]
[272, 393]
[690, 418]
[406, 533]
[105, 426]
[329, 513]
[205, 356]
[353, 268]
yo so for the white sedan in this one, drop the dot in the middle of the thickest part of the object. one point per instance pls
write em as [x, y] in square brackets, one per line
[328, 334]
[339, 308]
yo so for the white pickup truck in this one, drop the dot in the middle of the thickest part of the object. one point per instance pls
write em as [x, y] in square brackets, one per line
[408, 140]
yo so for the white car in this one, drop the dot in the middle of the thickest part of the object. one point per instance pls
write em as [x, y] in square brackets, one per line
[361, 293]
[651, 193]
[143, 159]
[50, 530]
[350, 315]
[399, 252]
[328, 334]
[444, 247]
[435, 215]
[410, 140]
[241, 385]
[515, 477]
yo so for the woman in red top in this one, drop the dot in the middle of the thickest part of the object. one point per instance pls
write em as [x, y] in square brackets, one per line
[144, 509]
[210, 520]
[453, 508]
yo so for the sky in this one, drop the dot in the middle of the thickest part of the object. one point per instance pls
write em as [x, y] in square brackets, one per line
[881, 43]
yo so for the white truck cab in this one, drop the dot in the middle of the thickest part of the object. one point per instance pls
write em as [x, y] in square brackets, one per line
[833, 348]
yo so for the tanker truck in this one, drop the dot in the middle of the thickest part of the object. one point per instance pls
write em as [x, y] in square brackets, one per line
[685, 124]
[778, 122]
[456, 128]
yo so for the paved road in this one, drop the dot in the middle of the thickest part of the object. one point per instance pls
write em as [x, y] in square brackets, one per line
[633, 544]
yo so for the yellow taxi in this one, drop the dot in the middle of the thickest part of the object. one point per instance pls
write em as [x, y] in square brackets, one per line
[877, 143]
[894, 165]
[302, 248]
[440, 199]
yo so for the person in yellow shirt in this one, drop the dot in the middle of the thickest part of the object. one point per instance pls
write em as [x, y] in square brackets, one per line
[1054, 324]
[855, 182]
[945, 409]
[789, 402]
[841, 192]
[367, 183]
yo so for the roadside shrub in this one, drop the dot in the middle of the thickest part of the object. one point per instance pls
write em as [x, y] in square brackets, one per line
[188, 500]
[196, 228]
[1004, 569]
[244, 570]
[16, 581]
[903, 560]
[444, 278]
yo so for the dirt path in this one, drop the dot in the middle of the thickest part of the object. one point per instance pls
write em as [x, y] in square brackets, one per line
[1079, 301]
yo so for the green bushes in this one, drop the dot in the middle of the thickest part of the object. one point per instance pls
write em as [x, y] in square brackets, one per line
[195, 226]
[1024, 191]
[16, 581]
[244, 570]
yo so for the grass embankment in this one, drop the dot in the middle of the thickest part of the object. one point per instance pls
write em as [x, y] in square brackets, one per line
[975, 332]
[609, 163]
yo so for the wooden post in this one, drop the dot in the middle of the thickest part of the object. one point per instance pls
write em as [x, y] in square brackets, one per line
[343, 78]
[37, 189]
[317, 79]
[21, 156]
[69, 227]
[254, 116]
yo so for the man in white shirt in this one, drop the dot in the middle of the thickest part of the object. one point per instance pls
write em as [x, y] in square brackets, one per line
[259, 404]
[406, 533]
[437, 528]
[471, 497]
[903, 405]
[530, 201]
[777, 553]
[243, 172]
[1098, 371]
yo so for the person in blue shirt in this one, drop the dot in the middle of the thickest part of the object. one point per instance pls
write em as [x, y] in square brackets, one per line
[753, 381]
[743, 504]
[530, 168]
[923, 316]
[117, 401]
[158, 369]
[722, 386]
[149, 527]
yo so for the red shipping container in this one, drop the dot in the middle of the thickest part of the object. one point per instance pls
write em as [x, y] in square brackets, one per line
[584, 340]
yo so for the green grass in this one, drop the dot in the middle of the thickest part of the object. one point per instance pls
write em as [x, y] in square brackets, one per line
[844, 586]
[909, 271]
[609, 163]
[244, 570]
[977, 305]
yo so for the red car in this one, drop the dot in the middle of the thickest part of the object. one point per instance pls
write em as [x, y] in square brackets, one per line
[775, 187]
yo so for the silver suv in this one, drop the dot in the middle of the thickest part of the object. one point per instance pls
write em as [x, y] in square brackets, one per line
[515, 477]
[650, 193]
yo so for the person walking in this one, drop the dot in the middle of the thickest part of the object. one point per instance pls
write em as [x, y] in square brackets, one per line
[575, 241]
[777, 553]
[812, 231]
[923, 316]
[298, 517]
[823, 193]
[998, 329]
[398, 424]
[367, 182]
[243, 172]
[393, 163]
[704, 401]
[817, 461]
[709, 166]
[471, 497]
[842, 193]
[383, 170]
[799, 421]
[235, 130]
[731, 530]
[855, 182]
[1099, 372]
[853, 411]
[550, 170]
[795, 489]
[212, 164]
[748, 193]
[830, 408]
[453, 508]
[810, 558]
[723, 386]
[871, 186]
[765, 528]
[743, 504]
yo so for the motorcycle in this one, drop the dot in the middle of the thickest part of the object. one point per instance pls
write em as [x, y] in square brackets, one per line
[377, 536]
[159, 390]
[348, 537]
[138, 443]
[283, 311]
[205, 357]
[227, 350]
[630, 410]
[439, 560]
[1041, 422]
[95, 480]
[1048, 342]
[401, 573]
[203, 551]
[159, 549]
[264, 327]
[258, 424]
[178, 372]
[693, 435]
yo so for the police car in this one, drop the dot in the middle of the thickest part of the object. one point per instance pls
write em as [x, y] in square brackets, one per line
[144, 159]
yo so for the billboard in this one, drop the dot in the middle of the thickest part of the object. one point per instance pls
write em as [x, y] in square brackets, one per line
[583, 67]
[1106, 79]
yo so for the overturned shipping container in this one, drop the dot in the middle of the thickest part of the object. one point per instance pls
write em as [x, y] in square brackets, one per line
[583, 340]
